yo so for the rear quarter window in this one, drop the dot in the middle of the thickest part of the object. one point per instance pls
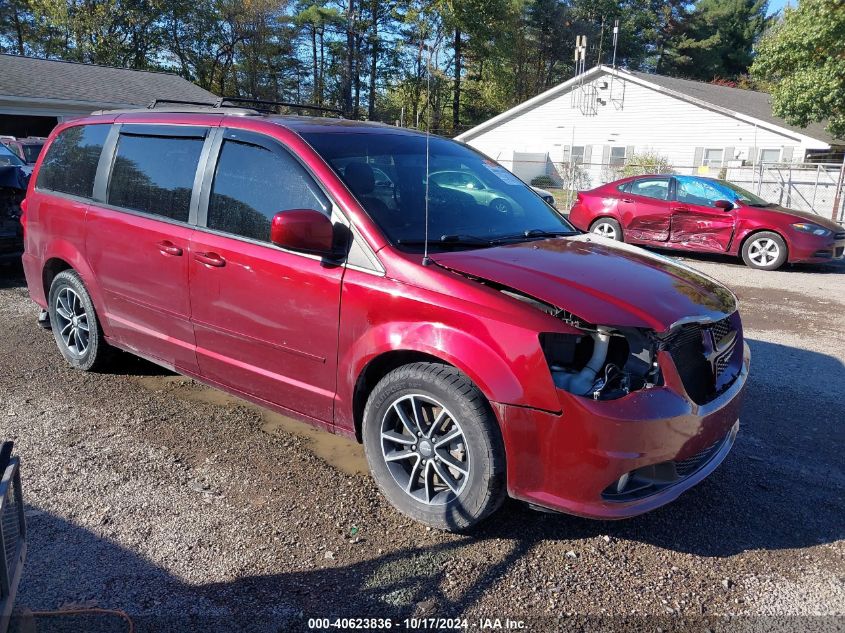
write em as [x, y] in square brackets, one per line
[70, 164]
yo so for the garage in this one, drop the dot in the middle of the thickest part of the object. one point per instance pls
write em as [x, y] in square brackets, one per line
[36, 94]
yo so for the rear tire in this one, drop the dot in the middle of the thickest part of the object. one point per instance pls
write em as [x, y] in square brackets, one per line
[74, 323]
[607, 227]
[450, 473]
[765, 251]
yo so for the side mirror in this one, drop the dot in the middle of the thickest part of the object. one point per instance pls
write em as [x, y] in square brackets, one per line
[303, 230]
[725, 205]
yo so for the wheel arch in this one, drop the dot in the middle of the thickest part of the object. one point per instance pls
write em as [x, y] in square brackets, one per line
[376, 369]
[752, 232]
[61, 256]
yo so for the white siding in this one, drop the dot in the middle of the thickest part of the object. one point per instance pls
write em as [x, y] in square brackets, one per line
[636, 117]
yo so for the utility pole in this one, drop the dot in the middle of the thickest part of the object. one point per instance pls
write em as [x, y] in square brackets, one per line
[837, 198]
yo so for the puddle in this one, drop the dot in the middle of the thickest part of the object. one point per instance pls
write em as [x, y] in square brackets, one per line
[342, 453]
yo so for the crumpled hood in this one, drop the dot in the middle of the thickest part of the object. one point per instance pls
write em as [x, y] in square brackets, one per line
[598, 280]
[803, 215]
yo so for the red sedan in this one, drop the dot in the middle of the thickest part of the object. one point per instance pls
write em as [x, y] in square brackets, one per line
[706, 215]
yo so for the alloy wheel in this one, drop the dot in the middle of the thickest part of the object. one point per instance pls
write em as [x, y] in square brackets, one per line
[605, 229]
[73, 321]
[763, 251]
[425, 449]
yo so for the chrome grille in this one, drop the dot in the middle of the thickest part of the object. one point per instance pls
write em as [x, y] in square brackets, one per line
[12, 526]
[839, 236]
[687, 347]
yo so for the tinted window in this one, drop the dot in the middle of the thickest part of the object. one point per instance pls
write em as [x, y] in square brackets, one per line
[252, 184]
[155, 174]
[651, 188]
[71, 161]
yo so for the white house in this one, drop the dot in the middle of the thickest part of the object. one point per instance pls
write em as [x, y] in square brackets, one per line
[599, 118]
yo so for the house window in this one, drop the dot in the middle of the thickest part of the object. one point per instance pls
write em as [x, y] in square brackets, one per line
[617, 156]
[577, 154]
[713, 157]
[769, 155]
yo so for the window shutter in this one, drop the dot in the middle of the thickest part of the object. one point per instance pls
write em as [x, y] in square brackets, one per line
[567, 153]
[629, 151]
[752, 155]
[698, 157]
[728, 156]
[588, 154]
[786, 155]
[605, 155]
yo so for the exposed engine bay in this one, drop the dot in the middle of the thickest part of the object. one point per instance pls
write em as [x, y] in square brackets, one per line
[603, 363]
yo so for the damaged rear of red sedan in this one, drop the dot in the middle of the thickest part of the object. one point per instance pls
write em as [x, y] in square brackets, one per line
[475, 342]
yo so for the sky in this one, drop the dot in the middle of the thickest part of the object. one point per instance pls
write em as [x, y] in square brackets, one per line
[777, 5]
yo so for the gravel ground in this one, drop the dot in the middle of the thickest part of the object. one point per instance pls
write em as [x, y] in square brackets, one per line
[191, 510]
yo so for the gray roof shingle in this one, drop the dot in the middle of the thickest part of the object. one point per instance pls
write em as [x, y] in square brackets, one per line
[31, 78]
[749, 102]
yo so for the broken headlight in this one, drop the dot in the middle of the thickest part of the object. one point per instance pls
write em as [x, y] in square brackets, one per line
[603, 363]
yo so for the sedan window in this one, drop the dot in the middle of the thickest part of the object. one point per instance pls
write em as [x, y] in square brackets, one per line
[651, 188]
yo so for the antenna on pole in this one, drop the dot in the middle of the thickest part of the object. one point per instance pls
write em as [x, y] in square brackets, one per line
[431, 51]
[615, 40]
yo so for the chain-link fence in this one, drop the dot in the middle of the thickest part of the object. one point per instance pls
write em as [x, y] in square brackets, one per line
[802, 186]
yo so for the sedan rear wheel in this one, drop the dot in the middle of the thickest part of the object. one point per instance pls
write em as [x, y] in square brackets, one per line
[607, 227]
[765, 250]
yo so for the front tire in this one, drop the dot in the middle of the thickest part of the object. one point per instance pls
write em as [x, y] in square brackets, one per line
[73, 321]
[765, 251]
[434, 446]
[607, 227]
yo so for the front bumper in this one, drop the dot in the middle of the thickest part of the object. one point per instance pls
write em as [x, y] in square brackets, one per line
[814, 249]
[566, 461]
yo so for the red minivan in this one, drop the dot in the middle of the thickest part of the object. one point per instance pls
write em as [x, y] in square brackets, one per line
[478, 350]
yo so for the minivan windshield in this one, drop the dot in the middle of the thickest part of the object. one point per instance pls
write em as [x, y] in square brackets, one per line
[473, 202]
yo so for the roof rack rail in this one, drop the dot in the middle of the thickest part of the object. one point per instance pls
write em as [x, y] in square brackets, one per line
[152, 105]
[283, 104]
[259, 105]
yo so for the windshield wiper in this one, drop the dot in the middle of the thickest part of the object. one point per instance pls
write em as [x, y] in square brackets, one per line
[448, 240]
[530, 234]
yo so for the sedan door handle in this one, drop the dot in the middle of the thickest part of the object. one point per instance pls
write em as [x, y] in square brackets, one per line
[210, 259]
[169, 248]
[627, 200]
[679, 209]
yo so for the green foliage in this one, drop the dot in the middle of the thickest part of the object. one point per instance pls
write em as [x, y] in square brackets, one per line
[647, 162]
[371, 57]
[803, 58]
[543, 181]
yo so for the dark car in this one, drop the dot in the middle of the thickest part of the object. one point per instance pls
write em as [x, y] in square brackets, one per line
[14, 178]
[27, 149]
[706, 215]
[310, 266]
